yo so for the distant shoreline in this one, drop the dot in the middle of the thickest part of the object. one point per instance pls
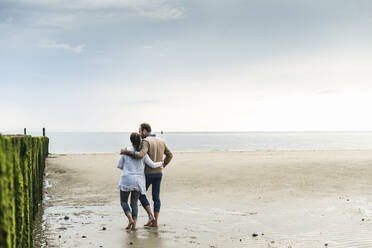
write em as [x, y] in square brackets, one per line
[104, 142]
[190, 132]
[221, 151]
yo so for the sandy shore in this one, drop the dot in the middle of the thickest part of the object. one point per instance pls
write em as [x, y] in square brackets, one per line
[217, 199]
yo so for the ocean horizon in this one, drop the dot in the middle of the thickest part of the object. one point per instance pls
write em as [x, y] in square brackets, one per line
[111, 142]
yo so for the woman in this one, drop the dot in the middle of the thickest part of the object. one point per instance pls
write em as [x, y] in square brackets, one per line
[133, 182]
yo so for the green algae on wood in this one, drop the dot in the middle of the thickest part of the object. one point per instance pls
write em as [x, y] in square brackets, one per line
[22, 163]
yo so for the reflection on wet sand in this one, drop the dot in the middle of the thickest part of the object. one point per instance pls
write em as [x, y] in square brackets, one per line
[143, 238]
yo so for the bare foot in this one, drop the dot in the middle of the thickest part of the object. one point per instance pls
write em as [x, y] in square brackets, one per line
[133, 227]
[154, 224]
[130, 225]
[149, 223]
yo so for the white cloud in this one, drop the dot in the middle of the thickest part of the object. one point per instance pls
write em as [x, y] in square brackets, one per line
[153, 9]
[54, 20]
[161, 12]
[7, 21]
[64, 46]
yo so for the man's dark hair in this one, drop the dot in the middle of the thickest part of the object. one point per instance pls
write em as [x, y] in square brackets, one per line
[146, 126]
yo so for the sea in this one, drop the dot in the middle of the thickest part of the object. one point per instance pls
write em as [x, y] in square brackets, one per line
[111, 142]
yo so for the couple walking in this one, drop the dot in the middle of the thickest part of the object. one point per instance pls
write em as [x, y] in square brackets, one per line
[142, 166]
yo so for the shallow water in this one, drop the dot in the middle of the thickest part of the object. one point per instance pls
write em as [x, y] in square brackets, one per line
[107, 142]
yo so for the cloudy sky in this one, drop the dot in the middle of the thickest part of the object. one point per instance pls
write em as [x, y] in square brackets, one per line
[196, 65]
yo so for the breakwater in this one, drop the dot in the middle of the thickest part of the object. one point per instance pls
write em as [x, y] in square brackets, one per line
[22, 163]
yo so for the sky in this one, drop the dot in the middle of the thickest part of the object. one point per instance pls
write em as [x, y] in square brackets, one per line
[196, 65]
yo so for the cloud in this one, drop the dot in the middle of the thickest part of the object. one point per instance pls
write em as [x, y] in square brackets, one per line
[7, 21]
[161, 12]
[64, 46]
[55, 20]
[153, 9]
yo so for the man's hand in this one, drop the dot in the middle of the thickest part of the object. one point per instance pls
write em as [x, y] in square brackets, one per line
[123, 151]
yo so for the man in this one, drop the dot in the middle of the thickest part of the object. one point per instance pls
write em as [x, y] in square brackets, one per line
[156, 149]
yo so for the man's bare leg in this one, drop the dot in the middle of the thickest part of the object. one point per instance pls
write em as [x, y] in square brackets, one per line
[155, 222]
[151, 216]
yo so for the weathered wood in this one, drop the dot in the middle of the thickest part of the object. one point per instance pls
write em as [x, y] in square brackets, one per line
[22, 162]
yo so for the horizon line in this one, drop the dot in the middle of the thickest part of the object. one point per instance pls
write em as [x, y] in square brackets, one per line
[226, 131]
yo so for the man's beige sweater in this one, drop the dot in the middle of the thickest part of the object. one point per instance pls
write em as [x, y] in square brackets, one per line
[156, 149]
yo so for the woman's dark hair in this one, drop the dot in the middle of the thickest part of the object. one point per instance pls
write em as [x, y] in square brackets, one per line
[135, 138]
[146, 126]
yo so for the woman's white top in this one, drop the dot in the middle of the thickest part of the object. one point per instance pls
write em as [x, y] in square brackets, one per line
[133, 176]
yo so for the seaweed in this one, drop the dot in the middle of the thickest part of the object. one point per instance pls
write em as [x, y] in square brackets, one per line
[22, 164]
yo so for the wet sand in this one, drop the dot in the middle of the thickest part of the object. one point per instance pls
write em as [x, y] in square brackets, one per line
[217, 199]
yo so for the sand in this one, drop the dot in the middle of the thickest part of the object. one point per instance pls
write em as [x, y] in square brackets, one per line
[216, 199]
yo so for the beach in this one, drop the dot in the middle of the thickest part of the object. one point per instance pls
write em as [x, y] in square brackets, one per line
[216, 199]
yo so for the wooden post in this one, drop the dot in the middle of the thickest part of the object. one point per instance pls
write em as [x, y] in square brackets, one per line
[44, 131]
[24, 131]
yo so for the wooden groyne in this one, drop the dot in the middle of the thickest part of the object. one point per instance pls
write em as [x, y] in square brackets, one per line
[22, 163]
